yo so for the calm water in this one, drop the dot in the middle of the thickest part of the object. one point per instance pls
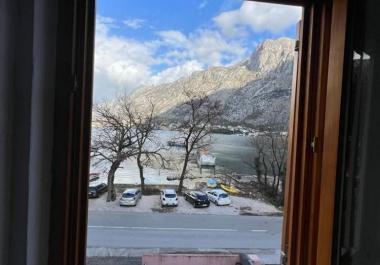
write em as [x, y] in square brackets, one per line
[230, 151]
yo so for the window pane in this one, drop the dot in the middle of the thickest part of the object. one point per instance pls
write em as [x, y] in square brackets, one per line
[358, 234]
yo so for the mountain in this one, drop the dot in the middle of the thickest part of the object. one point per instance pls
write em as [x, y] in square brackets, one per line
[253, 93]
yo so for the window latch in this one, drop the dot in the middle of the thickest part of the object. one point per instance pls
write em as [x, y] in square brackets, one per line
[313, 144]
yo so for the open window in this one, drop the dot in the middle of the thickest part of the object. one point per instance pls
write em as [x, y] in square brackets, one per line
[313, 137]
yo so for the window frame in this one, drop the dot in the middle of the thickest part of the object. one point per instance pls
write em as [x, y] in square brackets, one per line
[312, 171]
[310, 188]
[72, 132]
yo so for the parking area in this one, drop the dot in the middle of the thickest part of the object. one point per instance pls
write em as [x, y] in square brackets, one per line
[151, 203]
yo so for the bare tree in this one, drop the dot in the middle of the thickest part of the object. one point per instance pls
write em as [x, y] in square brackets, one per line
[148, 150]
[269, 161]
[122, 132]
[114, 138]
[200, 113]
[258, 162]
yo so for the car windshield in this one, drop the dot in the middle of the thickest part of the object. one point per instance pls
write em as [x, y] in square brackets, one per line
[128, 195]
[92, 189]
[223, 195]
[202, 197]
[170, 195]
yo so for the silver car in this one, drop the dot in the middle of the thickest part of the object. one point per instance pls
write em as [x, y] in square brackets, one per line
[219, 197]
[130, 197]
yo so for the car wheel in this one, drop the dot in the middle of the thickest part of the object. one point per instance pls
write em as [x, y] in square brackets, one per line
[194, 204]
[217, 203]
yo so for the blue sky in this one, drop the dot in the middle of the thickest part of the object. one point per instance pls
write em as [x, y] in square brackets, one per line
[149, 42]
[185, 16]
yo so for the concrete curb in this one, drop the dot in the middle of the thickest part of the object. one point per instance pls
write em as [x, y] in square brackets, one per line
[267, 256]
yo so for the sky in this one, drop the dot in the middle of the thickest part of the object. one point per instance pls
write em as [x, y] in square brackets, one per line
[151, 42]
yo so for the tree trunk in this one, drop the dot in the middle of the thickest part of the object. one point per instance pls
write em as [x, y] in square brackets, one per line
[111, 195]
[277, 185]
[274, 179]
[141, 172]
[257, 165]
[282, 194]
[279, 171]
[180, 186]
[265, 175]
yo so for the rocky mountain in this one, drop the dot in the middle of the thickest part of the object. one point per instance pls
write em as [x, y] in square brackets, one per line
[253, 93]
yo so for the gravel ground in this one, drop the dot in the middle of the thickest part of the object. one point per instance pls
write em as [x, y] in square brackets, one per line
[151, 203]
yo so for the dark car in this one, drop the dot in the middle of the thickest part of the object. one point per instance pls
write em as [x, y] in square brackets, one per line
[96, 189]
[197, 198]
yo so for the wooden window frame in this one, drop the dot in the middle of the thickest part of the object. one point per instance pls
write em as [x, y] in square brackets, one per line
[310, 194]
[72, 132]
[315, 104]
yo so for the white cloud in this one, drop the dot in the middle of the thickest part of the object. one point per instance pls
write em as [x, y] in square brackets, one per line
[205, 46]
[123, 64]
[135, 23]
[212, 49]
[173, 73]
[103, 24]
[173, 38]
[202, 4]
[120, 63]
[259, 17]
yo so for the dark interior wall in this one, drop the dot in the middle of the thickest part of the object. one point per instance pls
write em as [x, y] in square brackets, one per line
[370, 171]
[6, 68]
[16, 72]
[27, 63]
[358, 235]
[41, 132]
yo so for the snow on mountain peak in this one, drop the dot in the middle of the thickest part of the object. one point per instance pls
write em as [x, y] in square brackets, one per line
[249, 91]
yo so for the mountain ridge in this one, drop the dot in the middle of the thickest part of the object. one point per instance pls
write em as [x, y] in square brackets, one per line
[250, 91]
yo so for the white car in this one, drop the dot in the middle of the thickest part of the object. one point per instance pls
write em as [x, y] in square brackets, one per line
[130, 197]
[169, 197]
[219, 197]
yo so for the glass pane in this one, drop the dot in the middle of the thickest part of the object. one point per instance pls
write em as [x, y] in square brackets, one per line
[359, 236]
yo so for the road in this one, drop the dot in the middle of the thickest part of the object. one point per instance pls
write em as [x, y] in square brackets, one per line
[159, 230]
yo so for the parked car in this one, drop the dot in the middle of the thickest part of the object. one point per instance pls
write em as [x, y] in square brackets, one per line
[96, 189]
[197, 198]
[130, 197]
[93, 177]
[219, 197]
[169, 197]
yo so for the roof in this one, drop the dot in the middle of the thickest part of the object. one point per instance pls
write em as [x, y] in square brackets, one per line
[169, 191]
[96, 183]
[219, 191]
[130, 191]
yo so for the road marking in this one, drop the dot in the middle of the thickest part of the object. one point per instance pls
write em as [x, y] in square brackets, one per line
[162, 228]
[259, 231]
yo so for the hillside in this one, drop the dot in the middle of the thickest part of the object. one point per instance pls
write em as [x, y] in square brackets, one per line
[252, 92]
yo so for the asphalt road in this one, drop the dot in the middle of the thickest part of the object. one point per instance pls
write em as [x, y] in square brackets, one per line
[161, 230]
